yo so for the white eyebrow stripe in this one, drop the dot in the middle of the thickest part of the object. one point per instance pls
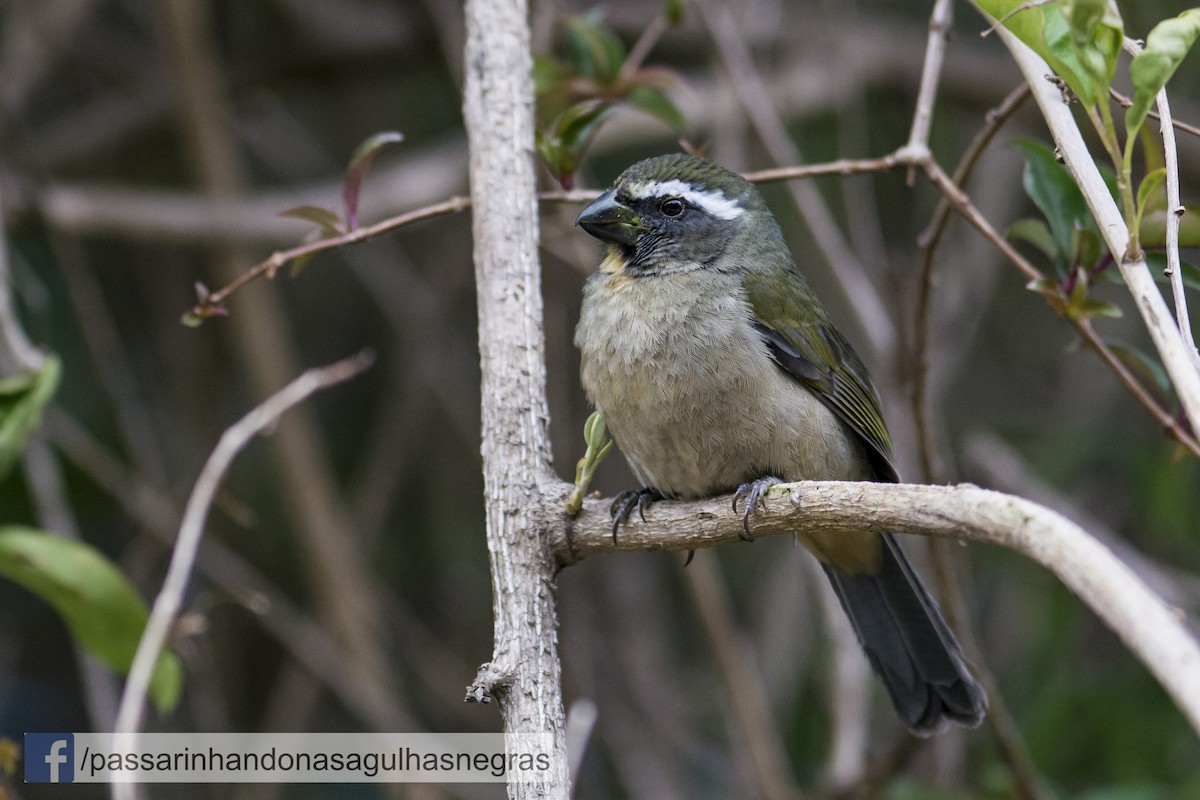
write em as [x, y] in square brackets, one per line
[712, 201]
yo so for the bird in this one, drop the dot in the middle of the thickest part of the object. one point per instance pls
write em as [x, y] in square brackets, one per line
[717, 370]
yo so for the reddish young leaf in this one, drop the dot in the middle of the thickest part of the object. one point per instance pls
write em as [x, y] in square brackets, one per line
[360, 162]
[329, 222]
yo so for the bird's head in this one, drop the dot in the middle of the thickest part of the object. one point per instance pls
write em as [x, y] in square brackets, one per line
[676, 213]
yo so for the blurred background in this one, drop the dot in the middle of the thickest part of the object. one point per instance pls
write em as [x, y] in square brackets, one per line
[343, 584]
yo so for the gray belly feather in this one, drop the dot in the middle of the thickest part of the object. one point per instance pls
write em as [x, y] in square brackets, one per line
[691, 395]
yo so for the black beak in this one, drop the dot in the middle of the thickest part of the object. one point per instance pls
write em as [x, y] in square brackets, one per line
[610, 221]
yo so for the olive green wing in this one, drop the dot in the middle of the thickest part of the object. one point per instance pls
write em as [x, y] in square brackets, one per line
[803, 341]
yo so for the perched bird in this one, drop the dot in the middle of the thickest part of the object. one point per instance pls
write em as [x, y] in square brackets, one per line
[718, 370]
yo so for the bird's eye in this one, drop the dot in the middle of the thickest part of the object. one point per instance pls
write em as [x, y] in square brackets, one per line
[672, 207]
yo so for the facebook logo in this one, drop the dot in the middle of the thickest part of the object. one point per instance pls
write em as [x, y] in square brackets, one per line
[49, 757]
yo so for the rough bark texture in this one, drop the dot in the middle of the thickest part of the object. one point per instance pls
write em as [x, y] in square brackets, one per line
[524, 676]
[528, 536]
[1155, 632]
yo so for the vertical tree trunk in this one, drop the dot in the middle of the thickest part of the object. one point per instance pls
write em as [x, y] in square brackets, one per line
[524, 675]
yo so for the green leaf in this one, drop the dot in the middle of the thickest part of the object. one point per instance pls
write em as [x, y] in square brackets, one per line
[1079, 293]
[356, 171]
[548, 73]
[673, 11]
[299, 263]
[552, 153]
[1085, 247]
[1035, 26]
[1152, 149]
[1157, 263]
[102, 610]
[1050, 290]
[1079, 305]
[1057, 33]
[655, 102]
[329, 222]
[1146, 369]
[570, 135]
[595, 434]
[1149, 184]
[595, 50]
[1098, 308]
[1150, 70]
[1035, 232]
[1154, 227]
[22, 399]
[1050, 186]
[1096, 34]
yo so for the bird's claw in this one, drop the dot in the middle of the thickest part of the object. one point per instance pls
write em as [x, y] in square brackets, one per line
[624, 504]
[755, 495]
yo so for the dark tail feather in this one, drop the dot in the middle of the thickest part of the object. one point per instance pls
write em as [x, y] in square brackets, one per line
[909, 645]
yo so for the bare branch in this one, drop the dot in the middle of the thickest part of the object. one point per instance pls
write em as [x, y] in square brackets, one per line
[1151, 629]
[940, 21]
[191, 529]
[281, 258]
[963, 205]
[1178, 125]
[871, 312]
[1175, 355]
[1174, 210]
[928, 241]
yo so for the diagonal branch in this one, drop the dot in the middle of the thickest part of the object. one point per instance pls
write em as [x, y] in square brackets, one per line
[1185, 377]
[929, 240]
[191, 529]
[1083, 327]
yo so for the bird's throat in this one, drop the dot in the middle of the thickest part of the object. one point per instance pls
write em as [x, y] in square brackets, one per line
[614, 263]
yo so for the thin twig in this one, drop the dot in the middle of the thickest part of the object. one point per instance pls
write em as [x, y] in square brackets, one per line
[928, 240]
[1027, 781]
[752, 725]
[1175, 209]
[1025, 775]
[1178, 125]
[644, 44]
[845, 166]
[270, 266]
[18, 356]
[940, 21]
[949, 188]
[1156, 316]
[309, 644]
[871, 312]
[191, 529]
[280, 258]
[1023, 7]
[964, 206]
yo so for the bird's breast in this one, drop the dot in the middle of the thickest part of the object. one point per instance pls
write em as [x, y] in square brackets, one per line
[690, 392]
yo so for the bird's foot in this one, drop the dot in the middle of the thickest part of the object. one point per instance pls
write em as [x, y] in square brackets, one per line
[624, 504]
[755, 494]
